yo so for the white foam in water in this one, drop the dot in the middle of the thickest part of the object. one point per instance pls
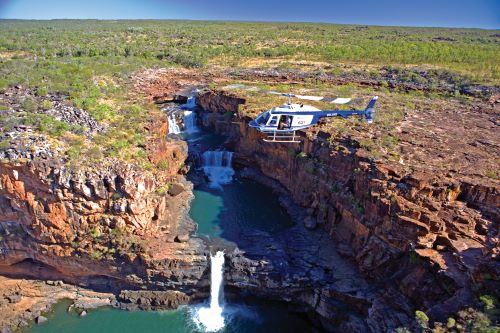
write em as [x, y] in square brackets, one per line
[173, 127]
[210, 318]
[217, 165]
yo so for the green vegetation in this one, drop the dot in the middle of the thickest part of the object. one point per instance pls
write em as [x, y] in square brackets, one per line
[91, 62]
[46, 104]
[42, 91]
[162, 165]
[107, 243]
[161, 190]
[302, 155]
[194, 44]
[422, 319]
[46, 124]
[492, 174]
[488, 302]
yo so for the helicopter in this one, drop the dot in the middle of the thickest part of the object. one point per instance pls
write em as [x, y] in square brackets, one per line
[281, 123]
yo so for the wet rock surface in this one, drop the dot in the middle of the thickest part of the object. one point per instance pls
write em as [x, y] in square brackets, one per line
[151, 300]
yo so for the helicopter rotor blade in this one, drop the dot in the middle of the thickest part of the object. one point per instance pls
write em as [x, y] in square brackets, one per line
[280, 93]
[333, 100]
[310, 98]
[340, 100]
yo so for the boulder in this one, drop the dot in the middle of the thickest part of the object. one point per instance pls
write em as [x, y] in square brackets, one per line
[176, 189]
[182, 238]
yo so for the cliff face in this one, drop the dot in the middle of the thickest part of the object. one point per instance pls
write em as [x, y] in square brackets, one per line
[425, 237]
[111, 226]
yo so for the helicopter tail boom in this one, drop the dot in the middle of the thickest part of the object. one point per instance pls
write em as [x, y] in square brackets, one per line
[368, 113]
[370, 110]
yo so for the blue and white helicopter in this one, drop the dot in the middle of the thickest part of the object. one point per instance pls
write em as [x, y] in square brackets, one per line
[280, 123]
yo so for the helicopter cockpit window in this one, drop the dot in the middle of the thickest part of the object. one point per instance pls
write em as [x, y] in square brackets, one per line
[263, 118]
[274, 121]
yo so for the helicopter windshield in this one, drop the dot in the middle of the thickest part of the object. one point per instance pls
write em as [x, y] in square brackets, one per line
[263, 118]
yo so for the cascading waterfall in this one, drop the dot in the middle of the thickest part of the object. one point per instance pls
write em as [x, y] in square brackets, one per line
[210, 318]
[173, 127]
[190, 121]
[191, 103]
[190, 115]
[188, 118]
[217, 165]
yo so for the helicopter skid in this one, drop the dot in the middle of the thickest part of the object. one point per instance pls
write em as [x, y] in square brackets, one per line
[285, 137]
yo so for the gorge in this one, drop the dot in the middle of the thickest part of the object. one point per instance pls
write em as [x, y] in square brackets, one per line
[351, 244]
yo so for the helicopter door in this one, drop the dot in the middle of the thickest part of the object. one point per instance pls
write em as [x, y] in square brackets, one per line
[285, 122]
[273, 121]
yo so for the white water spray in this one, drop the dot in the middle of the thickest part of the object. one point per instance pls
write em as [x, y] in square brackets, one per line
[173, 127]
[211, 319]
[217, 165]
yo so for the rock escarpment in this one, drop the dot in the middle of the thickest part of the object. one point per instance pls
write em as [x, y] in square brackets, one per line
[108, 226]
[425, 238]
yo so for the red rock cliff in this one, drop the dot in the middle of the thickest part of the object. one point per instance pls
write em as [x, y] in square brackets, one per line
[432, 235]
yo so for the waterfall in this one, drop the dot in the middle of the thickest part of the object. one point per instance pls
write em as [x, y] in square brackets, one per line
[173, 127]
[217, 165]
[210, 318]
[190, 121]
[191, 103]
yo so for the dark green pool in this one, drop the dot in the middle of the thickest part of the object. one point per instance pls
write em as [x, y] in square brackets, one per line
[242, 319]
[240, 206]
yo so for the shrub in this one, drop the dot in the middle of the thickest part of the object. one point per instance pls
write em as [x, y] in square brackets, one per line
[422, 319]
[41, 91]
[46, 124]
[29, 104]
[96, 254]
[75, 149]
[4, 144]
[52, 126]
[93, 154]
[492, 174]
[163, 189]
[116, 146]
[135, 110]
[95, 232]
[102, 112]
[162, 165]
[46, 104]
[302, 155]
[488, 302]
